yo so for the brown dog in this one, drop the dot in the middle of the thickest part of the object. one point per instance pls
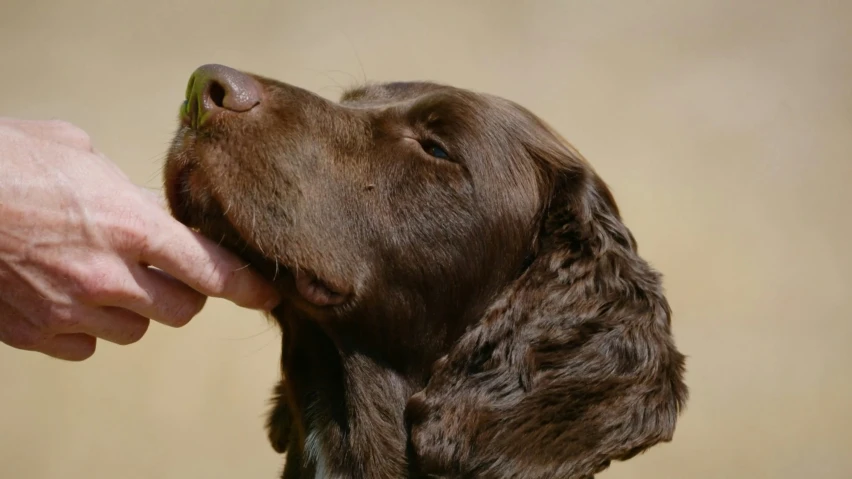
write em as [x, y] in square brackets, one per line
[461, 297]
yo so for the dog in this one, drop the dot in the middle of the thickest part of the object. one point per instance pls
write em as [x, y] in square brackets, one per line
[461, 297]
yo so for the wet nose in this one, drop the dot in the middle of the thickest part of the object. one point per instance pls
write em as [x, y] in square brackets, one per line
[215, 90]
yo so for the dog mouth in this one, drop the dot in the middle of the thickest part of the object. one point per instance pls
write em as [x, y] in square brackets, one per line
[191, 199]
[317, 291]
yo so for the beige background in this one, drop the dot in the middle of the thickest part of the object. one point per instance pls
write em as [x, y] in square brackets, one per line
[724, 128]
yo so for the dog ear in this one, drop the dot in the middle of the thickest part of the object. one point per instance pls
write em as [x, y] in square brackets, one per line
[573, 365]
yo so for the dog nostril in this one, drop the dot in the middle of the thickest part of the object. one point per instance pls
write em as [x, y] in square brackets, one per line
[217, 94]
[215, 90]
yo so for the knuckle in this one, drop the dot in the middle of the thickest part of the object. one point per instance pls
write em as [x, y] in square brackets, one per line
[95, 285]
[73, 134]
[101, 284]
[61, 125]
[216, 279]
[61, 318]
[129, 231]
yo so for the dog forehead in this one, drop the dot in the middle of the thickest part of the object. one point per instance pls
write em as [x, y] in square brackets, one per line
[389, 91]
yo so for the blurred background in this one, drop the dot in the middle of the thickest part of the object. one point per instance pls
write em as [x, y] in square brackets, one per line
[723, 127]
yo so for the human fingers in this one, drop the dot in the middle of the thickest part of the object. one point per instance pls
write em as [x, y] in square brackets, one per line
[114, 324]
[20, 332]
[132, 290]
[164, 299]
[206, 267]
[70, 347]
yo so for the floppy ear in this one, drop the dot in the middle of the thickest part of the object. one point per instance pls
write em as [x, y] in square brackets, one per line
[574, 364]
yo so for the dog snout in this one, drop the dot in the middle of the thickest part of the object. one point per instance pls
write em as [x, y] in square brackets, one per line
[215, 90]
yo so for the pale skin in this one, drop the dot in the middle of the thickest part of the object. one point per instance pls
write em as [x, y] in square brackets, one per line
[86, 255]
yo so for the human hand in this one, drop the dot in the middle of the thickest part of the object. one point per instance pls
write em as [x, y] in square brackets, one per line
[86, 254]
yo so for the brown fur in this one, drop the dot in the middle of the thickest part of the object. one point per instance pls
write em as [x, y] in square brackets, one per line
[500, 321]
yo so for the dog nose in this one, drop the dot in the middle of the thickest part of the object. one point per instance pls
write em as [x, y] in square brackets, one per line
[217, 89]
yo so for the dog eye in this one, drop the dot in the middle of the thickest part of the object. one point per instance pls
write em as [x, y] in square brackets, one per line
[435, 150]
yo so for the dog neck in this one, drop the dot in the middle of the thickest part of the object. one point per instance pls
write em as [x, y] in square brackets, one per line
[347, 406]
